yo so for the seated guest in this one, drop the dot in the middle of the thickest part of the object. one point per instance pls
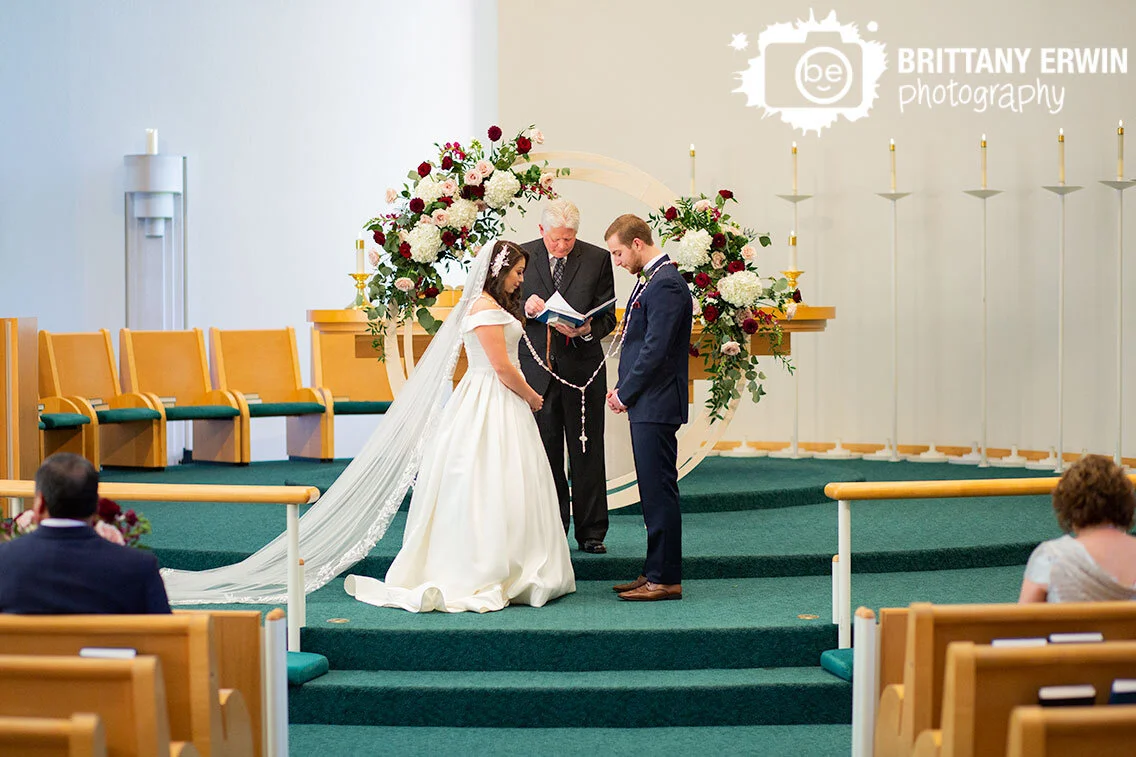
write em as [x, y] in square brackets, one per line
[1096, 559]
[64, 566]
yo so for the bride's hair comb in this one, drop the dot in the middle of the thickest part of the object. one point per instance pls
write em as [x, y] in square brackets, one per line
[499, 261]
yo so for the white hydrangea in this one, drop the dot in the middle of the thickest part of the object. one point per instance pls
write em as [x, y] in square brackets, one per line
[694, 249]
[463, 213]
[742, 289]
[429, 190]
[425, 241]
[501, 188]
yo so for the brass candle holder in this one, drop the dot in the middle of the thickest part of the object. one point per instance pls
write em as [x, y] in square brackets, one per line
[361, 302]
[792, 275]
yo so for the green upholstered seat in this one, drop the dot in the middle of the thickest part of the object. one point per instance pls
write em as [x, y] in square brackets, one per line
[348, 407]
[62, 420]
[201, 413]
[271, 409]
[128, 415]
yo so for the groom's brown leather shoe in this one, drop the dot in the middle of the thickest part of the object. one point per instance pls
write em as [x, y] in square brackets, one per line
[650, 592]
[620, 588]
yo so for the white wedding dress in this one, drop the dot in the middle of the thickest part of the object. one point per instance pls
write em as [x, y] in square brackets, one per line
[484, 527]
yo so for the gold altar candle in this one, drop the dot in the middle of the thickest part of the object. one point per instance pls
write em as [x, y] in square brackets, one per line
[982, 148]
[794, 168]
[360, 266]
[692, 169]
[793, 250]
[1120, 152]
[891, 151]
[1061, 156]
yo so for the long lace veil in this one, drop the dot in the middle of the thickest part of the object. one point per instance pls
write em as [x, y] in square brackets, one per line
[342, 527]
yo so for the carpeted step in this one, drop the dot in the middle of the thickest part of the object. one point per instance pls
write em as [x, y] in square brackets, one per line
[608, 699]
[769, 740]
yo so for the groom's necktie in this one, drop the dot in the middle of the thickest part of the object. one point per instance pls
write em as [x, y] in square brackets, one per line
[557, 273]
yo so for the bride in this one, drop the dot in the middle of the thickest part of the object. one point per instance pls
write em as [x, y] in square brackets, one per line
[484, 526]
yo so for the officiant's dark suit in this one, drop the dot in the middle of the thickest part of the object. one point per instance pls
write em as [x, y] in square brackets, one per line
[586, 281]
[653, 384]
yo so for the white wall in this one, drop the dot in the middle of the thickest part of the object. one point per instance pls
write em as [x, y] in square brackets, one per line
[639, 81]
[295, 117]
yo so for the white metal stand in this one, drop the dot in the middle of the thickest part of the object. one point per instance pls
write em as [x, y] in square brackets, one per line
[743, 450]
[890, 453]
[1012, 460]
[1119, 186]
[1055, 457]
[838, 453]
[794, 451]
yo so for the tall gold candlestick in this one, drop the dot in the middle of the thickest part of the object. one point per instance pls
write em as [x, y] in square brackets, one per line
[1061, 156]
[360, 266]
[692, 184]
[1120, 152]
[793, 250]
[794, 168]
[891, 151]
[982, 147]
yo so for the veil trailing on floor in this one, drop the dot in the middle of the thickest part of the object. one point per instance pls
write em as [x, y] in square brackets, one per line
[342, 527]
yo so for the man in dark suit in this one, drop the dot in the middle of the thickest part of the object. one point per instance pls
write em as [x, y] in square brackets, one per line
[652, 390]
[582, 273]
[64, 567]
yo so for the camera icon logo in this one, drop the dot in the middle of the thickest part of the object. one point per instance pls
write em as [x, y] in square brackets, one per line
[813, 72]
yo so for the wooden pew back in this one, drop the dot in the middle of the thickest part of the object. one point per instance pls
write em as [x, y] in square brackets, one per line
[893, 645]
[984, 684]
[127, 695]
[80, 735]
[165, 363]
[1072, 731]
[77, 365]
[183, 643]
[335, 367]
[263, 362]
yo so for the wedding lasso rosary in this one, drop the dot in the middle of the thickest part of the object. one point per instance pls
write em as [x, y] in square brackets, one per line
[616, 345]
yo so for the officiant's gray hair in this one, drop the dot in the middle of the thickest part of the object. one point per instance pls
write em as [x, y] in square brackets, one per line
[560, 214]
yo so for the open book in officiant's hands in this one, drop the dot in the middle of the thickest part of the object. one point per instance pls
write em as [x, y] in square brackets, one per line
[557, 310]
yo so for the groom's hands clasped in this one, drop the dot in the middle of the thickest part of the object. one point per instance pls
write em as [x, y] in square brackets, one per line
[614, 403]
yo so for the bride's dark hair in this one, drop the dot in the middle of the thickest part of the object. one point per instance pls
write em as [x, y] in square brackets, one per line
[495, 282]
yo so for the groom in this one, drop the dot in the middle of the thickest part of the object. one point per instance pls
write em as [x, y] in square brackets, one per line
[652, 390]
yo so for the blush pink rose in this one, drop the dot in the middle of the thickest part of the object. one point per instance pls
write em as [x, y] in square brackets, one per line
[484, 167]
[718, 260]
[449, 188]
[472, 177]
[403, 284]
[537, 136]
[373, 256]
[731, 348]
[109, 532]
[701, 206]
[749, 253]
[392, 196]
[546, 181]
[440, 217]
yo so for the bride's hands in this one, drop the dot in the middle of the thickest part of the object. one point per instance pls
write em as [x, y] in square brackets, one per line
[536, 402]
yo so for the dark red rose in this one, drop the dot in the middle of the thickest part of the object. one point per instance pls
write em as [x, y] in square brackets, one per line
[749, 326]
[710, 313]
[796, 295]
[672, 213]
[431, 292]
[713, 294]
[719, 241]
[380, 237]
[447, 201]
[424, 169]
[494, 133]
[108, 509]
[764, 317]
[447, 163]
[417, 205]
[404, 249]
[687, 276]
[479, 191]
[735, 265]
[694, 350]
[725, 194]
[701, 281]
[524, 144]
[473, 191]
[448, 238]
[131, 518]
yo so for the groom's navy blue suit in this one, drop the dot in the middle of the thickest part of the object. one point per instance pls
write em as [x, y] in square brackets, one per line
[653, 380]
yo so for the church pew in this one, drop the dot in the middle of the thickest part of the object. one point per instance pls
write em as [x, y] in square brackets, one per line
[172, 367]
[984, 684]
[128, 696]
[913, 706]
[80, 735]
[262, 370]
[893, 645]
[130, 427]
[215, 721]
[358, 386]
[1072, 731]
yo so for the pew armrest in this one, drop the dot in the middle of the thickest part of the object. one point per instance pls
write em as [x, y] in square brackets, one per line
[888, 720]
[929, 744]
[236, 723]
[307, 394]
[136, 399]
[183, 749]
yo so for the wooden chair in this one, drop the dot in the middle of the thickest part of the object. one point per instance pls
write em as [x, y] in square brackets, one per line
[129, 697]
[80, 368]
[215, 721]
[1072, 731]
[262, 370]
[171, 367]
[80, 735]
[358, 386]
[909, 708]
[19, 438]
[984, 684]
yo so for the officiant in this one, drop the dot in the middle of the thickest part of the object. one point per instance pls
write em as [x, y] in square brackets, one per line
[582, 274]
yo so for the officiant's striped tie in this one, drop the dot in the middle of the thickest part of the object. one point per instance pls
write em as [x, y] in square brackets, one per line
[557, 273]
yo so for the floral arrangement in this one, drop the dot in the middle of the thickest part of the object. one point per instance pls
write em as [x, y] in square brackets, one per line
[113, 524]
[452, 205]
[733, 302]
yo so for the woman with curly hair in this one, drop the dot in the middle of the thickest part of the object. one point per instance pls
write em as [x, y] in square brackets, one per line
[1096, 559]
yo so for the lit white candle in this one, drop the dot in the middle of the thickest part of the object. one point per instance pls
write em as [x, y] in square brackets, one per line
[151, 141]
[692, 169]
[360, 260]
[891, 151]
[1120, 152]
[1060, 156]
[982, 147]
[792, 250]
[794, 168]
